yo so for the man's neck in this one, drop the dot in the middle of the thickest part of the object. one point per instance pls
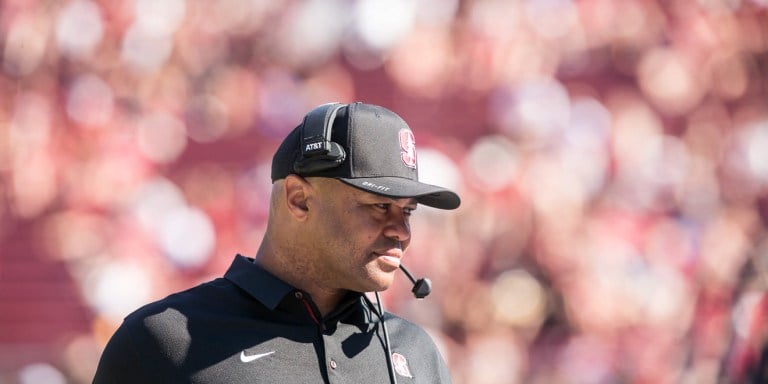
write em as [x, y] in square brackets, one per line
[324, 298]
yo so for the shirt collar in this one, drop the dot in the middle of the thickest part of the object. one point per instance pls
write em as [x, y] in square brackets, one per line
[270, 291]
[259, 283]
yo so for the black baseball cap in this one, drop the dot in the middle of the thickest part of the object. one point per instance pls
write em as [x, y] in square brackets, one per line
[366, 146]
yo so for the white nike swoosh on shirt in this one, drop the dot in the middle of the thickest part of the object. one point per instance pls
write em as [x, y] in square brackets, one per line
[248, 359]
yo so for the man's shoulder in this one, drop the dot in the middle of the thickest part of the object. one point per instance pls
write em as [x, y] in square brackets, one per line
[177, 307]
[404, 328]
[155, 340]
[416, 350]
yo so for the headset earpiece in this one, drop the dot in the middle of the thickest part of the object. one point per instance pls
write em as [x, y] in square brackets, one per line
[318, 152]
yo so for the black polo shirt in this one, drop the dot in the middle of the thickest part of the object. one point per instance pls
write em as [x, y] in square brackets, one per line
[251, 327]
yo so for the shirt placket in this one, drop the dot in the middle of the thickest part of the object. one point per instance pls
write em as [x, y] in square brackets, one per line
[328, 342]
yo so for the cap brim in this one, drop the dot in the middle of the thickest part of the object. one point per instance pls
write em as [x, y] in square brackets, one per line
[398, 187]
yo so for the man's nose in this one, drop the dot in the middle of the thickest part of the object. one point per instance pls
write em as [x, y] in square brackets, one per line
[398, 227]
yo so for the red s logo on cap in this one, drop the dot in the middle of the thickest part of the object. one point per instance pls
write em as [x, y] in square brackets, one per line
[408, 148]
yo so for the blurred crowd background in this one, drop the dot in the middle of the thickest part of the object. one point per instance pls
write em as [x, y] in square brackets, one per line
[612, 158]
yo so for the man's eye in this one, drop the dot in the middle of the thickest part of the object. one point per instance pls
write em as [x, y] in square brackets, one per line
[408, 211]
[382, 206]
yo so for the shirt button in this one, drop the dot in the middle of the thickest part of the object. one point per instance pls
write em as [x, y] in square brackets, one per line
[333, 364]
[298, 295]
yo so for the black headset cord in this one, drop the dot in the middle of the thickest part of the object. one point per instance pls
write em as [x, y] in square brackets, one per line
[421, 288]
[378, 309]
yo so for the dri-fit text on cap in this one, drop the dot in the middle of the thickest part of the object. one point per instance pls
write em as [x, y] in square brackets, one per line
[376, 186]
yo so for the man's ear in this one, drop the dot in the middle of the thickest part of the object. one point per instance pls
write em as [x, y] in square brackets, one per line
[297, 191]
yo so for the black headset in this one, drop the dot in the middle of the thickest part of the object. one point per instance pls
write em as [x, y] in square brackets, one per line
[318, 152]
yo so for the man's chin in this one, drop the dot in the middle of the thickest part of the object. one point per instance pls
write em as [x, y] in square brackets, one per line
[380, 282]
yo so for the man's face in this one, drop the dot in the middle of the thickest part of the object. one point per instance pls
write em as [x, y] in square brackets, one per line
[360, 237]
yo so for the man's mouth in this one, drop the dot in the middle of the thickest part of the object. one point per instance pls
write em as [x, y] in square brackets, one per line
[391, 257]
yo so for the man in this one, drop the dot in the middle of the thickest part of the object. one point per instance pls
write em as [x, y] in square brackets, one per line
[344, 186]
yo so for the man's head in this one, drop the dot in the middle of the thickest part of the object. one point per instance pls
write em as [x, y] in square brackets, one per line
[345, 184]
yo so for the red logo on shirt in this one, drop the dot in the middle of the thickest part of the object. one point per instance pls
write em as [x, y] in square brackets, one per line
[408, 148]
[401, 365]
